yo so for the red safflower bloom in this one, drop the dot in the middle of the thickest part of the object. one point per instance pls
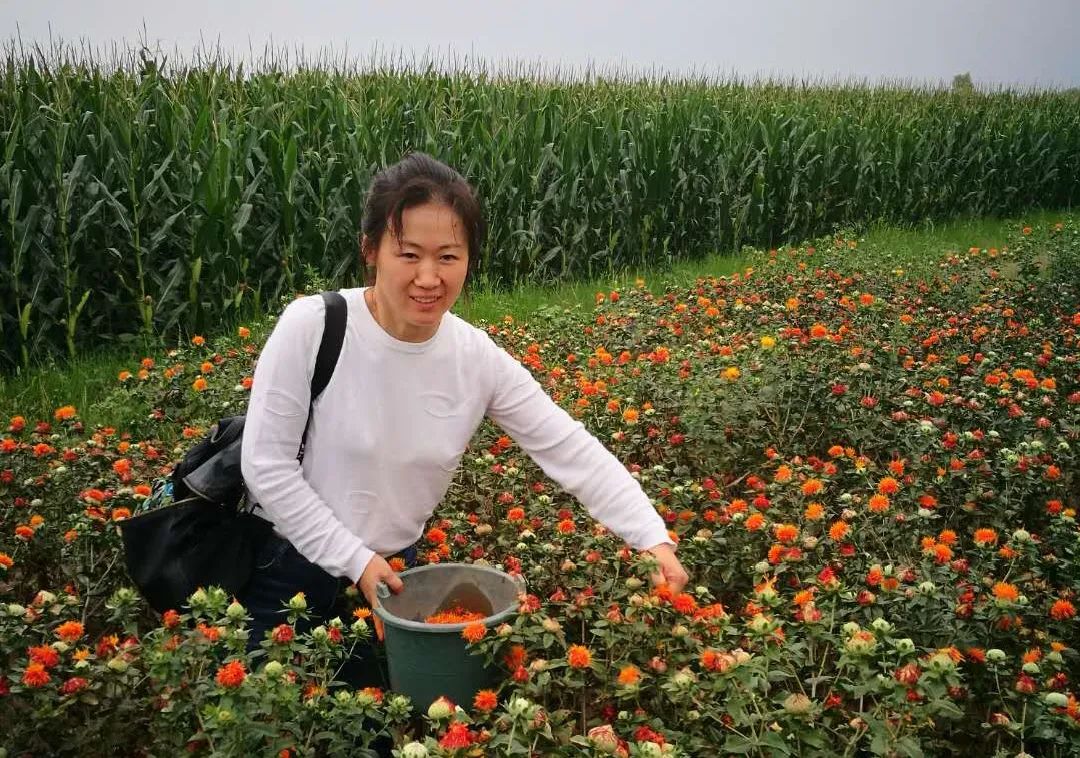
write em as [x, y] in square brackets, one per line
[282, 634]
[73, 685]
[435, 536]
[1062, 610]
[170, 619]
[457, 737]
[45, 655]
[232, 674]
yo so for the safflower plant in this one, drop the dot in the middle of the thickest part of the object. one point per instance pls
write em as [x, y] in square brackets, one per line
[868, 463]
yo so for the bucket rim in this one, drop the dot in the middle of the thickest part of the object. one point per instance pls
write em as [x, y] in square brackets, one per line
[421, 626]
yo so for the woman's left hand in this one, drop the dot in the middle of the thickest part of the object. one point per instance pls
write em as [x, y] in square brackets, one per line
[671, 571]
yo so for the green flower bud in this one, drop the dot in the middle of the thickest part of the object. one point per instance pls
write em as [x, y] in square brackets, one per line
[273, 669]
[798, 704]
[904, 645]
[414, 750]
[995, 655]
[235, 611]
[298, 602]
[1056, 699]
[440, 709]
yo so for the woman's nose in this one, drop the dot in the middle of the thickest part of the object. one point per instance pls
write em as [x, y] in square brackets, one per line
[427, 273]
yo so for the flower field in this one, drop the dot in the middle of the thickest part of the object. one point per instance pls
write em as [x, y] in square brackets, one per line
[869, 464]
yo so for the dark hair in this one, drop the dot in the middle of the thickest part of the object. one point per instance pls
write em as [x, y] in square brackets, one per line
[415, 180]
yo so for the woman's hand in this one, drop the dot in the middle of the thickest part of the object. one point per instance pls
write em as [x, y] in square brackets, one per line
[378, 570]
[671, 571]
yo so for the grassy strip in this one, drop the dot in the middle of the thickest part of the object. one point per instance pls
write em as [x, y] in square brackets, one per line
[83, 381]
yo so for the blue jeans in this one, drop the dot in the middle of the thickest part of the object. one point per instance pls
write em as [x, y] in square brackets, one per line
[280, 572]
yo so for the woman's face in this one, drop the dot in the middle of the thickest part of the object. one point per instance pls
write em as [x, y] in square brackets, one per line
[419, 277]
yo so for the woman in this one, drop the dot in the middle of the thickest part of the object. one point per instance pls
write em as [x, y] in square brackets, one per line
[411, 386]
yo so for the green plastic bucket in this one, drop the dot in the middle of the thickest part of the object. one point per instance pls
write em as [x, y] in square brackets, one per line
[430, 660]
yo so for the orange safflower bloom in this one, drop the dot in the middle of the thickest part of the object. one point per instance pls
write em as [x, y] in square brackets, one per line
[64, 413]
[485, 700]
[436, 536]
[878, 503]
[787, 533]
[783, 474]
[243, 332]
[629, 675]
[755, 522]
[6, 561]
[35, 675]
[814, 512]
[888, 486]
[579, 657]
[943, 553]
[198, 340]
[985, 537]
[566, 526]
[199, 385]
[630, 415]
[818, 331]
[474, 632]
[812, 487]
[684, 603]
[947, 537]
[838, 531]
[1006, 591]
[69, 631]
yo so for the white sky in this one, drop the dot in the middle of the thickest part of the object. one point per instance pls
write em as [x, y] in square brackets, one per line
[1009, 42]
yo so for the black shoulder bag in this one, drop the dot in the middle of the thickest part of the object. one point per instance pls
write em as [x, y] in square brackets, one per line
[205, 537]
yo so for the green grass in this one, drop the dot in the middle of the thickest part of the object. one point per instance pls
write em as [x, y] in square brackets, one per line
[86, 380]
[930, 239]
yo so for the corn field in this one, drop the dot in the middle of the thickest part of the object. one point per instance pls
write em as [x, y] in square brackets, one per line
[140, 200]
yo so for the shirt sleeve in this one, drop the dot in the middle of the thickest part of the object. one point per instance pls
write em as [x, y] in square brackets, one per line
[570, 455]
[276, 416]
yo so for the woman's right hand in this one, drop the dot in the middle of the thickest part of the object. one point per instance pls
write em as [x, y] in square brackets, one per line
[378, 570]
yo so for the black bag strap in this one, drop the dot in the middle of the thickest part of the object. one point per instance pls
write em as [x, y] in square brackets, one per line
[329, 350]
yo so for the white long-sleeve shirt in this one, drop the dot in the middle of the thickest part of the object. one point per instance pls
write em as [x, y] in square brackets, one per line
[389, 430]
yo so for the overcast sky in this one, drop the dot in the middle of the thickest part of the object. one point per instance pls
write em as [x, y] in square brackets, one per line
[1000, 42]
